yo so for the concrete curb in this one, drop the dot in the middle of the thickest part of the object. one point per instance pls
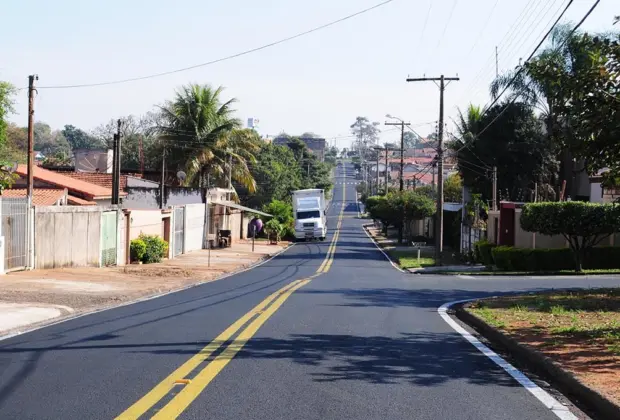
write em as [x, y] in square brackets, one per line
[563, 380]
[75, 315]
[394, 264]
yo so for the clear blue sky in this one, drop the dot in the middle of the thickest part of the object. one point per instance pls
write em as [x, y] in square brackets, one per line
[318, 83]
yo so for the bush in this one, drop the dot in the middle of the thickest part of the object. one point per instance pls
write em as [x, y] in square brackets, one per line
[156, 248]
[281, 211]
[137, 249]
[583, 225]
[507, 258]
[482, 252]
[274, 229]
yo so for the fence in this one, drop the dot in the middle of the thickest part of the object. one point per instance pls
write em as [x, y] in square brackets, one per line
[14, 226]
[469, 236]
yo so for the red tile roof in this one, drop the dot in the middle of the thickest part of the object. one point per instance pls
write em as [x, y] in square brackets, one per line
[88, 189]
[40, 196]
[79, 202]
[101, 179]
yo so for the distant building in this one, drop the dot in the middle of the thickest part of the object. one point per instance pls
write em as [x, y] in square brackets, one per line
[316, 145]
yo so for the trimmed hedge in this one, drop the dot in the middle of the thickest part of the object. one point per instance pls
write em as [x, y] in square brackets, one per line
[482, 252]
[508, 258]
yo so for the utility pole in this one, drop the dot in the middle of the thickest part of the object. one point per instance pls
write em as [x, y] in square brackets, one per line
[386, 169]
[116, 165]
[439, 225]
[30, 182]
[494, 206]
[402, 149]
[163, 179]
[377, 170]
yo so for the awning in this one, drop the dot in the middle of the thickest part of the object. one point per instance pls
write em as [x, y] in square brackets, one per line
[452, 206]
[240, 207]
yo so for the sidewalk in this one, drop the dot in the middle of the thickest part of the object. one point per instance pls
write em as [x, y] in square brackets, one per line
[33, 298]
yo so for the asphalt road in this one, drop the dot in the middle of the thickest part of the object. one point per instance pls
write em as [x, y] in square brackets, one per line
[356, 340]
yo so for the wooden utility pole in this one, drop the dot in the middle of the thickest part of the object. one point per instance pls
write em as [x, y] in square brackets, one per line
[116, 165]
[377, 170]
[30, 181]
[494, 206]
[402, 149]
[163, 179]
[439, 217]
[386, 170]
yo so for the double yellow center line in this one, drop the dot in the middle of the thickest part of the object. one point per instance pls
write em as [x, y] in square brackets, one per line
[192, 377]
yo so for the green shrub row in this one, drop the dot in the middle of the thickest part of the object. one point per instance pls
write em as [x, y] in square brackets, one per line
[508, 258]
[148, 249]
[482, 252]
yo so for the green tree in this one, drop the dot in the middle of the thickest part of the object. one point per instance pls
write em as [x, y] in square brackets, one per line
[201, 135]
[583, 225]
[79, 139]
[7, 91]
[281, 211]
[411, 140]
[453, 189]
[276, 173]
[366, 133]
[135, 130]
[50, 142]
[514, 142]
[586, 95]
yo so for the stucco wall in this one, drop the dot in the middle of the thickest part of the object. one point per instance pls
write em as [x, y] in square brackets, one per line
[148, 222]
[67, 236]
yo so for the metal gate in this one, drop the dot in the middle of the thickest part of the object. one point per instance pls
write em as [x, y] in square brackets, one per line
[179, 231]
[14, 230]
[108, 238]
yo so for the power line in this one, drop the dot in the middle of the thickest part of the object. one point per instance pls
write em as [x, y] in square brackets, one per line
[523, 66]
[445, 28]
[229, 57]
[511, 33]
[484, 27]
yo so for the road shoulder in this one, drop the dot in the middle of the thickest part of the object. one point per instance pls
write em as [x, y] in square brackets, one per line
[33, 299]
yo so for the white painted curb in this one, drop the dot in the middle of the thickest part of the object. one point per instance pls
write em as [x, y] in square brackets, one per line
[147, 298]
[560, 410]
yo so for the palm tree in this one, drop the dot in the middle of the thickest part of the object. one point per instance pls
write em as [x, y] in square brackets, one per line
[469, 124]
[202, 136]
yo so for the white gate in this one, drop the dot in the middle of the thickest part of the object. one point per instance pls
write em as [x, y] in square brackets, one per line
[14, 229]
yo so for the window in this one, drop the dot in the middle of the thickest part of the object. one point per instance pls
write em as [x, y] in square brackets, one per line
[314, 214]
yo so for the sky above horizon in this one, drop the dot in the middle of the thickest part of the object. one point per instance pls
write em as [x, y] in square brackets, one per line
[319, 82]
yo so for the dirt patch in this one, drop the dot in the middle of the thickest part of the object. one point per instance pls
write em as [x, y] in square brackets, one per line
[580, 330]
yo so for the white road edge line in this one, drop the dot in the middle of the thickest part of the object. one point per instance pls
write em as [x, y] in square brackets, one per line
[147, 298]
[560, 410]
[382, 251]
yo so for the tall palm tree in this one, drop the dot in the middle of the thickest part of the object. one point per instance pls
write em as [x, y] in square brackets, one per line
[202, 136]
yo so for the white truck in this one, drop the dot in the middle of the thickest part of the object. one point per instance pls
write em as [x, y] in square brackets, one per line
[310, 213]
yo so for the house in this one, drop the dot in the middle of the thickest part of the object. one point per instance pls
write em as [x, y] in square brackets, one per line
[38, 156]
[79, 192]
